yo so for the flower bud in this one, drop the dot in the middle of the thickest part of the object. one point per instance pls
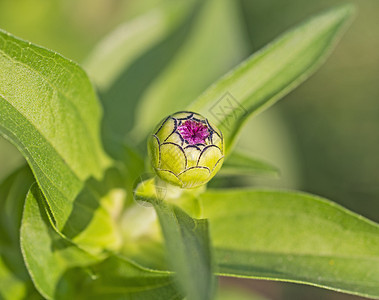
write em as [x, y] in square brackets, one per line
[186, 150]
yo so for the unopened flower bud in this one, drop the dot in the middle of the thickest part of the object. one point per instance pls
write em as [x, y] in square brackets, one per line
[186, 150]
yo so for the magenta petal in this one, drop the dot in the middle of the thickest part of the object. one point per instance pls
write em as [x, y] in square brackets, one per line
[193, 132]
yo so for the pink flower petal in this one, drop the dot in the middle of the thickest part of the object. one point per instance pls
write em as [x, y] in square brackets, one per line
[193, 132]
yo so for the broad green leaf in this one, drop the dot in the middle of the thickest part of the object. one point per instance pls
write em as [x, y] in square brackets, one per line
[55, 264]
[15, 282]
[211, 44]
[187, 245]
[240, 163]
[271, 73]
[46, 253]
[48, 109]
[292, 236]
[117, 278]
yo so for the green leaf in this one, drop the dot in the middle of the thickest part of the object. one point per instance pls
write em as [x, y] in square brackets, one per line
[117, 278]
[140, 229]
[133, 166]
[46, 253]
[240, 163]
[292, 236]
[49, 110]
[187, 245]
[210, 44]
[237, 293]
[142, 238]
[122, 47]
[188, 249]
[15, 282]
[150, 62]
[126, 61]
[55, 264]
[271, 73]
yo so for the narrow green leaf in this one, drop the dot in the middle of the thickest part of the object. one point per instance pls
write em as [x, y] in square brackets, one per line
[211, 43]
[187, 245]
[189, 252]
[131, 57]
[142, 238]
[119, 50]
[149, 63]
[15, 282]
[239, 163]
[48, 109]
[133, 166]
[47, 255]
[292, 236]
[140, 229]
[272, 72]
[117, 278]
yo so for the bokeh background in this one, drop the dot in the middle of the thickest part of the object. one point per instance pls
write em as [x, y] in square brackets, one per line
[324, 136]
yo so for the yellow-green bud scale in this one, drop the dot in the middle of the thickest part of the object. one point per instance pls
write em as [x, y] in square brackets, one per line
[186, 150]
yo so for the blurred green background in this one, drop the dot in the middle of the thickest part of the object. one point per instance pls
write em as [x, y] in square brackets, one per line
[324, 136]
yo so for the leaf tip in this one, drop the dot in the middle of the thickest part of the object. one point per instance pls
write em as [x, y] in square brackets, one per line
[345, 11]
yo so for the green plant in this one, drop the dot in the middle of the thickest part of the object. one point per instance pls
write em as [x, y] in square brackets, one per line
[84, 235]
